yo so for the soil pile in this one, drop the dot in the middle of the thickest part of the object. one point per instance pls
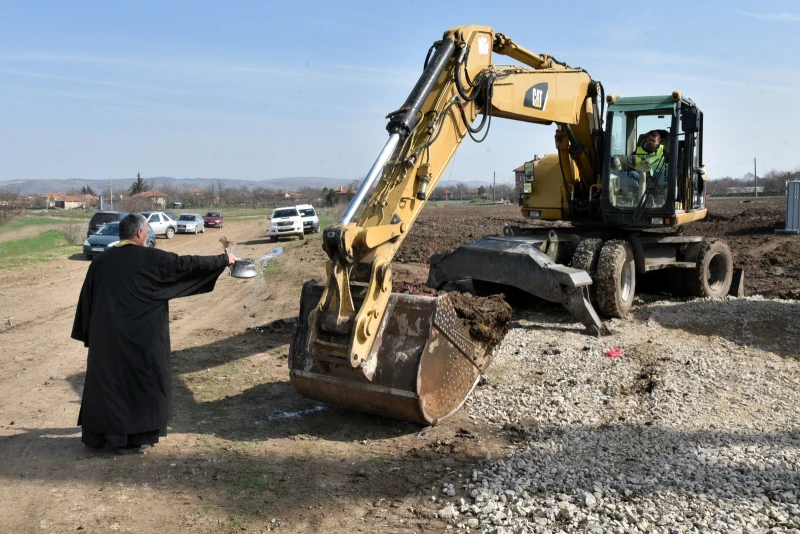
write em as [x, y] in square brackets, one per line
[486, 317]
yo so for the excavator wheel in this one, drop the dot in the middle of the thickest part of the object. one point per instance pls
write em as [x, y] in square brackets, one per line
[586, 257]
[714, 271]
[615, 279]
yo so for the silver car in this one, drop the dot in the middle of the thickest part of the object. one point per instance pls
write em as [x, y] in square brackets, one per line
[161, 223]
[190, 223]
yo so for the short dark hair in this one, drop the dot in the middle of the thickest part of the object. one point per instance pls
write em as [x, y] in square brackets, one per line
[130, 224]
[654, 132]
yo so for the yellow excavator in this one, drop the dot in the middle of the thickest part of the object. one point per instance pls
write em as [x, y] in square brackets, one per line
[359, 345]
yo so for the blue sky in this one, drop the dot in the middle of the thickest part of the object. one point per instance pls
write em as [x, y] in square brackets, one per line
[258, 90]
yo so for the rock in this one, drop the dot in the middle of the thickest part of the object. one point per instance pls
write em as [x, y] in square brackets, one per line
[448, 512]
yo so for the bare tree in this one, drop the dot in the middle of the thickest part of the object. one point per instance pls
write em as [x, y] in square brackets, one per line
[11, 204]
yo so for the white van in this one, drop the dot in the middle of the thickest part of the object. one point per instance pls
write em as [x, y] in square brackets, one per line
[309, 216]
[285, 222]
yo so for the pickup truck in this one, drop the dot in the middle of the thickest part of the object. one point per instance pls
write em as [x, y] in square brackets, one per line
[213, 219]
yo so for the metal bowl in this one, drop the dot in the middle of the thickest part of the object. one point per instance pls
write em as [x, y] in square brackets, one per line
[244, 268]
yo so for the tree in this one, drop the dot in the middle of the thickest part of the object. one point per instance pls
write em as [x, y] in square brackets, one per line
[139, 186]
[461, 189]
[87, 190]
[481, 191]
[332, 198]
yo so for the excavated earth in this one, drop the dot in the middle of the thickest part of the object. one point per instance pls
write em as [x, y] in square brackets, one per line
[771, 260]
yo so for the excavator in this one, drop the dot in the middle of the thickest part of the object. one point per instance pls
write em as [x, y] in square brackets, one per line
[360, 345]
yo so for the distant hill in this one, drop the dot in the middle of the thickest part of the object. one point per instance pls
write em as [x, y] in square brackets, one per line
[40, 187]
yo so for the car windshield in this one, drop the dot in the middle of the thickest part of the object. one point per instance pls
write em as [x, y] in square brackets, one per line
[212, 214]
[285, 213]
[307, 213]
[185, 217]
[109, 229]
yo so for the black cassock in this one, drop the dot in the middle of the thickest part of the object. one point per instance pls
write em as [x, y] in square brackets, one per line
[123, 317]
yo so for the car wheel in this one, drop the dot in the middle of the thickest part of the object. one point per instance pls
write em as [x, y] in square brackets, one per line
[195, 230]
[151, 243]
[170, 233]
[302, 236]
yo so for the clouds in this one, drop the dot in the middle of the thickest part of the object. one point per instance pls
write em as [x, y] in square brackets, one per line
[777, 17]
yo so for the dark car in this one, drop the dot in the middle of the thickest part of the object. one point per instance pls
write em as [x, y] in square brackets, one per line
[213, 219]
[102, 217]
[106, 237]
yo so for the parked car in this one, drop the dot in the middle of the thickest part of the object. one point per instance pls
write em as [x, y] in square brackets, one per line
[170, 214]
[190, 223]
[285, 222]
[102, 217]
[161, 223]
[309, 216]
[213, 219]
[106, 237]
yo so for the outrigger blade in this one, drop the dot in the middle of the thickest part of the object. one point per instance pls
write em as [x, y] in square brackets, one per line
[427, 363]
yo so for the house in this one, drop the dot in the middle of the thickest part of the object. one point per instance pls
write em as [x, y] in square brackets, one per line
[157, 198]
[48, 200]
[287, 195]
[519, 172]
[69, 202]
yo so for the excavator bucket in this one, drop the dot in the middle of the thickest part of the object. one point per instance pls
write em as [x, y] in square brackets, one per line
[427, 361]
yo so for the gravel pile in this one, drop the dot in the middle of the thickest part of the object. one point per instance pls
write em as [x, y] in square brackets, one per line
[684, 420]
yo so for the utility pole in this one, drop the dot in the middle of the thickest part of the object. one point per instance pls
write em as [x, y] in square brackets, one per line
[755, 174]
[110, 193]
[494, 185]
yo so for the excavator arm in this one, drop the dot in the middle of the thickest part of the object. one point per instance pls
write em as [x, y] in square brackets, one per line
[459, 83]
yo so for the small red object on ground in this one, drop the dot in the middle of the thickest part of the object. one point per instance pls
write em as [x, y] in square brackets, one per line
[613, 352]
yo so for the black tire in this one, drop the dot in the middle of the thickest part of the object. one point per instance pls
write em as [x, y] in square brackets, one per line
[302, 237]
[615, 279]
[714, 271]
[170, 233]
[586, 257]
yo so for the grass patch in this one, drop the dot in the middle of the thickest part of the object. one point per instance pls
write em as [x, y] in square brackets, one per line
[22, 222]
[47, 246]
[273, 269]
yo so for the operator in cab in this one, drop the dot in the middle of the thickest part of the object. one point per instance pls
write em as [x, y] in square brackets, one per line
[649, 156]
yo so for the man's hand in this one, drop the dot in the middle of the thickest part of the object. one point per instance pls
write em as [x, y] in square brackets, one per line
[231, 259]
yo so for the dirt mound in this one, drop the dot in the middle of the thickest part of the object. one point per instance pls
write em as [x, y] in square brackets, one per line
[771, 261]
[486, 317]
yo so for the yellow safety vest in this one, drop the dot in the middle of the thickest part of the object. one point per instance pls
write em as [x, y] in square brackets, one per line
[646, 161]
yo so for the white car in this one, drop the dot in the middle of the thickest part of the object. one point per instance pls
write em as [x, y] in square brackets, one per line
[190, 223]
[309, 216]
[161, 223]
[285, 222]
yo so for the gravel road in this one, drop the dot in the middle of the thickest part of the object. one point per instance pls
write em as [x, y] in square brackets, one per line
[684, 420]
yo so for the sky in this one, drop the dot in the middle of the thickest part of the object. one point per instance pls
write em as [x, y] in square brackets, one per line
[260, 90]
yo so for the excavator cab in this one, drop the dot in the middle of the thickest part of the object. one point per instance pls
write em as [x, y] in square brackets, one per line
[653, 173]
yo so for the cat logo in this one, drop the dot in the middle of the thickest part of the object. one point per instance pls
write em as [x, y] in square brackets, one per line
[536, 97]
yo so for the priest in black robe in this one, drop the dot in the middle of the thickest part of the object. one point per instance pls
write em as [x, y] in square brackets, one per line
[123, 317]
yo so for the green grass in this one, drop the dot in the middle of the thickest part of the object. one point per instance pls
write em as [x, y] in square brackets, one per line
[47, 246]
[273, 269]
[22, 222]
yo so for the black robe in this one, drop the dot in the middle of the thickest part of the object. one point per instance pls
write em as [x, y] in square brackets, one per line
[123, 317]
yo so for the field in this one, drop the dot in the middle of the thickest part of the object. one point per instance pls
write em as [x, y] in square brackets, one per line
[246, 453]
